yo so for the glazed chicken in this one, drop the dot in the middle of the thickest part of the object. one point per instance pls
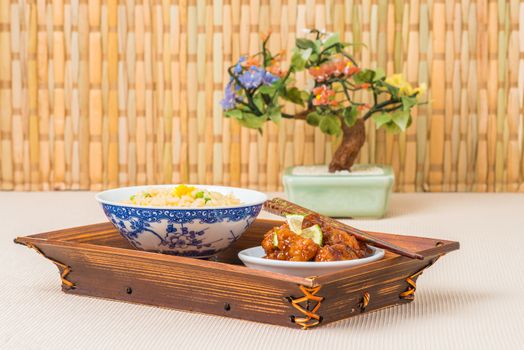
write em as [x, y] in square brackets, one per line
[290, 246]
[337, 244]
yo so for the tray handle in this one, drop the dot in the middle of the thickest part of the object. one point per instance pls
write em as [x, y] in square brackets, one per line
[65, 269]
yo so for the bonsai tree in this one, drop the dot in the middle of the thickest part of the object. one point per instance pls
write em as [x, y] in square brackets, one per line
[258, 86]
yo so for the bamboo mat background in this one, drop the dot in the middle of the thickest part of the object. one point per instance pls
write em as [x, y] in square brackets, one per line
[104, 93]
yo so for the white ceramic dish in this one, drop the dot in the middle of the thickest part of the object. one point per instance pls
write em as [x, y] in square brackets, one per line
[254, 258]
[191, 232]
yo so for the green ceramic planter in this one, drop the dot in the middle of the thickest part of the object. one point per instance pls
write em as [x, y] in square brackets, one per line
[351, 195]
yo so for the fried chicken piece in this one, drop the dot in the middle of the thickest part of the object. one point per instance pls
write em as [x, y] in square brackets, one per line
[290, 245]
[335, 237]
[336, 252]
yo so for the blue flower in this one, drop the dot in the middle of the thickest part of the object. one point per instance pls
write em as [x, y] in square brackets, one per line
[252, 78]
[229, 100]
[232, 83]
[269, 79]
[238, 67]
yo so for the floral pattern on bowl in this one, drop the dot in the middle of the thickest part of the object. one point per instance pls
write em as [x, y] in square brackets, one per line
[189, 232]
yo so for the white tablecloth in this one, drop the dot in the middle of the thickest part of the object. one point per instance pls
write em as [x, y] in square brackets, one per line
[472, 298]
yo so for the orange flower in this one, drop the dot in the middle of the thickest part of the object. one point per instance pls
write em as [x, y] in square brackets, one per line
[275, 69]
[317, 73]
[324, 96]
[252, 61]
[352, 70]
[365, 85]
[265, 36]
[319, 89]
[339, 67]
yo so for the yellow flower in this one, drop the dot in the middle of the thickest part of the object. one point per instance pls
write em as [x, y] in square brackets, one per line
[421, 89]
[405, 88]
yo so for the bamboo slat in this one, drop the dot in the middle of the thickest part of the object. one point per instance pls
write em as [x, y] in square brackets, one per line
[149, 118]
[201, 120]
[99, 94]
[438, 97]
[112, 75]
[481, 172]
[249, 147]
[412, 63]
[5, 96]
[319, 138]
[219, 168]
[68, 90]
[423, 110]
[32, 78]
[288, 128]
[449, 98]
[463, 159]
[304, 139]
[473, 96]
[521, 91]
[232, 49]
[513, 106]
[176, 129]
[17, 124]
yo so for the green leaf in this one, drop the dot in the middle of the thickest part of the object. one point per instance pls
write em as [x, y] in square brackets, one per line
[393, 90]
[379, 74]
[330, 125]
[313, 57]
[332, 40]
[408, 102]
[259, 102]
[294, 95]
[267, 89]
[234, 113]
[297, 62]
[313, 118]
[304, 95]
[350, 115]
[252, 121]
[306, 54]
[393, 128]
[401, 119]
[364, 76]
[275, 115]
[305, 44]
[381, 119]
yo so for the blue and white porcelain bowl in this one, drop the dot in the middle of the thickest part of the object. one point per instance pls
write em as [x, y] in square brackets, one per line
[190, 232]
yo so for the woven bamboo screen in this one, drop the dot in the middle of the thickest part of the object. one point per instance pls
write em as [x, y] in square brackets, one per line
[97, 94]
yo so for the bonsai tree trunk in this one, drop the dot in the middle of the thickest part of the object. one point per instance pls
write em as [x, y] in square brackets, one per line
[353, 139]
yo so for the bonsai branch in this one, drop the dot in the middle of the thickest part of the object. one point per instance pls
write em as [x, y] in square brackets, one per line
[379, 107]
[299, 116]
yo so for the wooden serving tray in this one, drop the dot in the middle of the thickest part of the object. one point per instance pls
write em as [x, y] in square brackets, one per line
[95, 260]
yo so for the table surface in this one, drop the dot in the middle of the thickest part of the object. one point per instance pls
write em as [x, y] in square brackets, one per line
[472, 298]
